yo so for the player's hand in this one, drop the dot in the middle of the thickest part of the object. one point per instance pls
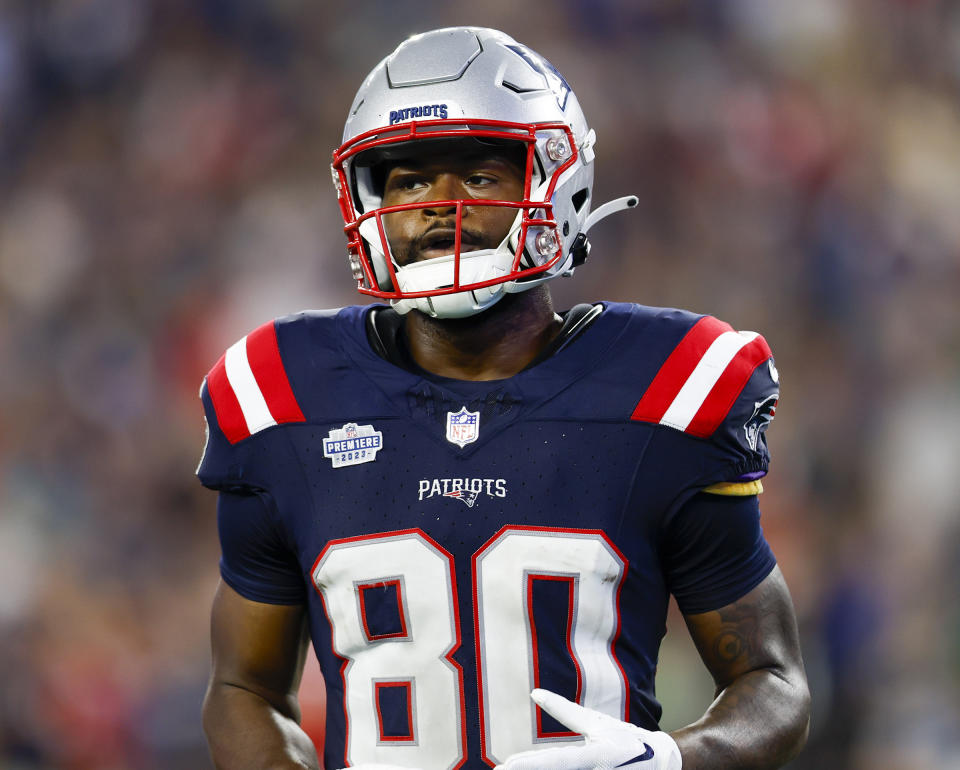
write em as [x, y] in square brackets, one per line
[610, 743]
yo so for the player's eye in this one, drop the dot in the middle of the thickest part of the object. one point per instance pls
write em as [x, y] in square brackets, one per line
[405, 183]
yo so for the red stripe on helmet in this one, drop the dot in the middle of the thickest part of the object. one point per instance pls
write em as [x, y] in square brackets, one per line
[229, 414]
[263, 354]
[727, 389]
[677, 369]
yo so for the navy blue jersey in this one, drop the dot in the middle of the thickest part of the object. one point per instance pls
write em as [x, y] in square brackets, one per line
[459, 543]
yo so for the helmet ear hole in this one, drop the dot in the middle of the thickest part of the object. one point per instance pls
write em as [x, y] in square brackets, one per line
[579, 198]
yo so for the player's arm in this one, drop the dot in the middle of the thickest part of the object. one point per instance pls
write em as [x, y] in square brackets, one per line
[761, 713]
[250, 714]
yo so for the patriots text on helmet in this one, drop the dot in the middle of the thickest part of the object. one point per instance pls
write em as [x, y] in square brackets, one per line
[422, 111]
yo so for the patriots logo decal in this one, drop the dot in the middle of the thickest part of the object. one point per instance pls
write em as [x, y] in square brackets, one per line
[557, 82]
[762, 416]
[467, 497]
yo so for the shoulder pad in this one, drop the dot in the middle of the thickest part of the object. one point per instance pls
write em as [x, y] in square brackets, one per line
[249, 388]
[701, 384]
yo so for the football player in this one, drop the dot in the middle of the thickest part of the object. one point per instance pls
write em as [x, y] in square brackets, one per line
[475, 507]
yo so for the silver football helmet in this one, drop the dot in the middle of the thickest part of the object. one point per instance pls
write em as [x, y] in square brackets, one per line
[479, 85]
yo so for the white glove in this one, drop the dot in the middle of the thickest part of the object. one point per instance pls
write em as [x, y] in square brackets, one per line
[610, 743]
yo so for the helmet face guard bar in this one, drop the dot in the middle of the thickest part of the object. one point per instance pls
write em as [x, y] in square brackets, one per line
[543, 248]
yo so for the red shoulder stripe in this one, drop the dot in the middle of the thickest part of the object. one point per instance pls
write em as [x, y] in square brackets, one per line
[677, 368]
[727, 389]
[229, 414]
[263, 353]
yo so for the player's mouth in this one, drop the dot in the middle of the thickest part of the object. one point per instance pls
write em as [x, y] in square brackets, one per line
[441, 241]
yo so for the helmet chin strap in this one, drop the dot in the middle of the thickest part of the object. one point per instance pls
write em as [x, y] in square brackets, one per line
[461, 304]
[475, 266]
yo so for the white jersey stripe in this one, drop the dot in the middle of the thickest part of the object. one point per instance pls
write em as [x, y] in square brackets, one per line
[704, 376]
[248, 393]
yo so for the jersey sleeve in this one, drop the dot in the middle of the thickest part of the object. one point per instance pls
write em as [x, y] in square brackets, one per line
[222, 464]
[714, 551]
[246, 392]
[742, 431]
[256, 560]
[720, 386]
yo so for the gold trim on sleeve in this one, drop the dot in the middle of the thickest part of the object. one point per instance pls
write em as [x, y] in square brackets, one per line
[735, 488]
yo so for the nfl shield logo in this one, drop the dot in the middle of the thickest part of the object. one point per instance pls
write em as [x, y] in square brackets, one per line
[463, 427]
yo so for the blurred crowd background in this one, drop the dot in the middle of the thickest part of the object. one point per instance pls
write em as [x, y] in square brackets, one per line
[164, 188]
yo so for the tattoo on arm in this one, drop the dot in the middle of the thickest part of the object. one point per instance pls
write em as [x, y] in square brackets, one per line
[756, 632]
[751, 649]
[738, 635]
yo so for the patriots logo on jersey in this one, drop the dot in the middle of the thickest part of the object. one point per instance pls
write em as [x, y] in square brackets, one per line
[762, 416]
[465, 490]
[468, 497]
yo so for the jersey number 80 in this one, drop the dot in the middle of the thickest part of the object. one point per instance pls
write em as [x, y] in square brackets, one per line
[416, 661]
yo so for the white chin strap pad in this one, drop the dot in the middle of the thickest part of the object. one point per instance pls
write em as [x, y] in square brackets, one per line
[461, 304]
[437, 273]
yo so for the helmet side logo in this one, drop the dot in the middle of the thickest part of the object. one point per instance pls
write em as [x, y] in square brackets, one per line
[556, 82]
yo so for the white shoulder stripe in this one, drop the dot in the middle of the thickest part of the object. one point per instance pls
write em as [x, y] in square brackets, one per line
[704, 376]
[245, 388]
